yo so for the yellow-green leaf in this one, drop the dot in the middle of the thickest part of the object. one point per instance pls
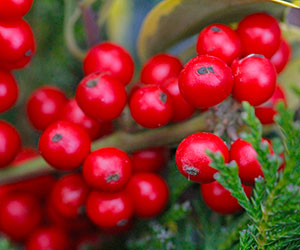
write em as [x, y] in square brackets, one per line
[291, 77]
[172, 21]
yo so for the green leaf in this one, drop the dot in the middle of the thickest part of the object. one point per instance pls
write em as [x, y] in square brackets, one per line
[172, 21]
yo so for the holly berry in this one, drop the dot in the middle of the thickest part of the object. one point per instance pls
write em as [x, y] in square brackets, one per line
[282, 56]
[112, 58]
[220, 41]
[101, 96]
[159, 68]
[17, 44]
[260, 34]
[108, 210]
[46, 238]
[20, 214]
[266, 111]
[107, 169]
[245, 156]
[254, 79]
[192, 160]
[182, 109]
[10, 142]
[12, 9]
[73, 113]
[205, 81]
[69, 195]
[9, 91]
[151, 107]
[149, 193]
[64, 145]
[150, 159]
[44, 106]
[219, 199]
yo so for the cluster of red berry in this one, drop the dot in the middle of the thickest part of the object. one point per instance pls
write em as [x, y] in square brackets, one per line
[245, 63]
[114, 186]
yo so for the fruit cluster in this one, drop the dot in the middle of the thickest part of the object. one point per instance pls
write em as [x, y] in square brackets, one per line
[107, 187]
[244, 63]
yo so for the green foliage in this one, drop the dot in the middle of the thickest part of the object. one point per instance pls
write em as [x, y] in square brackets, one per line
[5, 244]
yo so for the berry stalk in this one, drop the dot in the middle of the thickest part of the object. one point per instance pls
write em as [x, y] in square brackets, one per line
[126, 141]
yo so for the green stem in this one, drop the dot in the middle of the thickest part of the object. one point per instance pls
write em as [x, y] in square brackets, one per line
[71, 17]
[167, 135]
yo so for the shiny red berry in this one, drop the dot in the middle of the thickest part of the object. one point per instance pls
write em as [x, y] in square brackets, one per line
[221, 41]
[44, 106]
[73, 113]
[17, 44]
[64, 145]
[282, 56]
[9, 91]
[219, 199]
[192, 160]
[150, 159]
[245, 156]
[149, 193]
[10, 142]
[108, 210]
[260, 34]
[151, 107]
[14, 9]
[205, 81]
[107, 169]
[159, 68]
[182, 109]
[69, 195]
[101, 96]
[266, 111]
[20, 214]
[48, 238]
[254, 79]
[112, 58]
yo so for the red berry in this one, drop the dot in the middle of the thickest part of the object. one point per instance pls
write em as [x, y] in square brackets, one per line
[160, 68]
[9, 91]
[260, 34]
[72, 225]
[112, 58]
[220, 200]
[150, 194]
[20, 214]
[44, 106]
[17, 44]
[220, 41]
[101, 96]
[150, 159]
[107, 169]
[254, 79]
[245, 156]
[266, 111]
[64, 145]
[182, 109]
[69, 195]
[48, 238]
[108, 210]
[12, 9]
[192, 160]
[73, 113]
[282, 56]
[205, 81]
[151, 107]
[10, 142]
